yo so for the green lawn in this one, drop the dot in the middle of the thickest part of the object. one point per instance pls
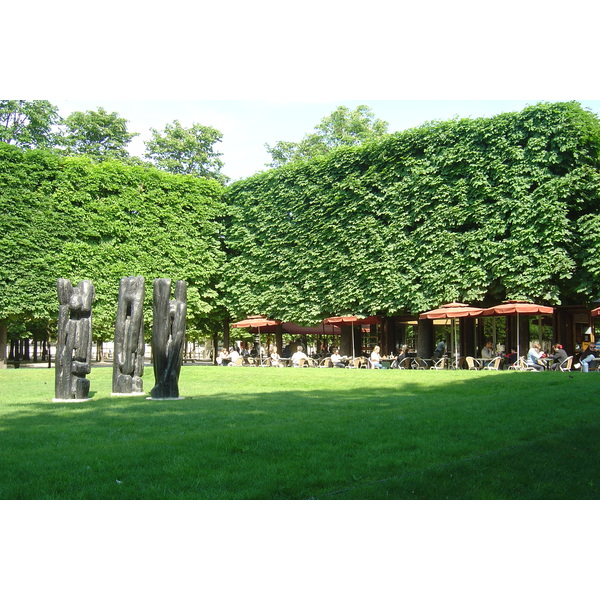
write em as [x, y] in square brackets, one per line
[254, 433]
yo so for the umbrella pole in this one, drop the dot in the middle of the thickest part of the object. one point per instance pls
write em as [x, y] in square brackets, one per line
[455, 344]
[518, 340]
[353, 357]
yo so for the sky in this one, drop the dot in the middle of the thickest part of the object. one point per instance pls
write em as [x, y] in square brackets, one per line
[247, 125]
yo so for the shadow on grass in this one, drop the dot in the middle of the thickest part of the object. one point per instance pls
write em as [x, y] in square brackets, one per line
[563, 465]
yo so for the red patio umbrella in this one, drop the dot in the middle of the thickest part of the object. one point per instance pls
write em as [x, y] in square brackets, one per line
[352, 320]
[256, 321]
[513, 307]
[295, 329]
[596, 312]
[452, 310]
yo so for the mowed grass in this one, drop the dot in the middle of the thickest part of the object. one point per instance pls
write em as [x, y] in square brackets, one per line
[260, 433]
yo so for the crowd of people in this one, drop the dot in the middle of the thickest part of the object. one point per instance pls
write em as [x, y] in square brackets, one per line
[536, 359]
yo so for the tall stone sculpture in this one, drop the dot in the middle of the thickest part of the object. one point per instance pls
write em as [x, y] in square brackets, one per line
[128, 363]
[168, 334]
[74, 342]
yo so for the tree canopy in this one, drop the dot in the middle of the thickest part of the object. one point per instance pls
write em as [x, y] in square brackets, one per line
[342, 127]
[97, 133]
[479, 210]
[186, 151]
[28, 124]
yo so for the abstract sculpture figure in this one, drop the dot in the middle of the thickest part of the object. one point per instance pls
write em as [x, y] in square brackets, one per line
[168, 334]
[74, 342]
[128, 363]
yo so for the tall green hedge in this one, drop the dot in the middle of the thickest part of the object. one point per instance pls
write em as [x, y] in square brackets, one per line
[74, 218]
[479, 210]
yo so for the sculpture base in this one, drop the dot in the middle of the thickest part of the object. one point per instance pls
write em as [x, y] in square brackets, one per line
[71, 399]
[161, 399]
[128, 393]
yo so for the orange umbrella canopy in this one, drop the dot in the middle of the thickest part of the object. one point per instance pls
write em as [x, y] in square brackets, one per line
[511, 307]
[255, 321]
[596, 312]
[295, 329]
[453, 310]
[351, 319]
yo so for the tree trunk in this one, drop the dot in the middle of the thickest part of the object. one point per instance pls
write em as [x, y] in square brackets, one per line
[3, 336]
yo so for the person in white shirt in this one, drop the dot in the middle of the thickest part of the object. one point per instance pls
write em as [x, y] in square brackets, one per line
[336, 359]
[234, 355]
[223, 358]
[297, 356]
[275, 358]
[376, 358]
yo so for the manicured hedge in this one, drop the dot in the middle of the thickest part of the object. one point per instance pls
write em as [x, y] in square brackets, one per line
[478, 210]
[74, 218]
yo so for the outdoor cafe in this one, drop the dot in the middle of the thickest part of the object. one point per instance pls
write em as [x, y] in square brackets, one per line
[409, 341]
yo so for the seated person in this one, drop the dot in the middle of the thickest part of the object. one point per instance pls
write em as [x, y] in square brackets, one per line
[534, 355]
[487, 351]
[402, 354]
[275, 358]
[558, 357]
[440, 349]
[233, 356]
[586, 357]
[336, 359]
[376, 358]
[511, 357]
[297, 356]
[223, 358]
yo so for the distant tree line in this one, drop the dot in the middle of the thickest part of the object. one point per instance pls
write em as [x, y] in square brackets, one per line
[101, 135]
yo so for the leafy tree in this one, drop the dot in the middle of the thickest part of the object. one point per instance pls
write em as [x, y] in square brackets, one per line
[476, 210]
[342, 127]
[186, 151]
[76, 218]
[97, 133]
[28, 124]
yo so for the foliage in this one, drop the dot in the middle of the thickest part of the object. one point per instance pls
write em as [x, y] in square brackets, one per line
[27, 280]
[187, 151]
[79, 219]
[476, 210]
[97, 133]
[342, 127]
[28, 124]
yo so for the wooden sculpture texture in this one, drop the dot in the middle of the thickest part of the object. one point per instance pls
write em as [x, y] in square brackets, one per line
[128, 362]
[74, 340]
[168, 336]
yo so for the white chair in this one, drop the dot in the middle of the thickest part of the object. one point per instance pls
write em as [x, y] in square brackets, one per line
[494, 365]
[439, 364]
[471, 364]
[404, 363]
[419, 364]
[566, 364]
[521, 365]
